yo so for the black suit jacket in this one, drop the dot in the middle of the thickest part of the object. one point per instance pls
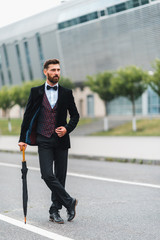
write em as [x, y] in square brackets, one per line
[65, 104]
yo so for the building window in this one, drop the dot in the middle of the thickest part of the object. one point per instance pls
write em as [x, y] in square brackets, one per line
[61, 25]
[40, 51]
[69, 23]
[2, 78]
[102, 13]
[92, 16]
[120, 7]
[144, 2]
[72, 22]
[5, 55]
[90, 106]
[19, 61]
[28, 59]
[122, 106]
[1, 73]
[7, 63]
[83, 19]
[129, 4]
[111, 10]
[153, 102]
[135, 3]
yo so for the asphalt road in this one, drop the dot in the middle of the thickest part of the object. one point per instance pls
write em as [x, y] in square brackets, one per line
[117, 201]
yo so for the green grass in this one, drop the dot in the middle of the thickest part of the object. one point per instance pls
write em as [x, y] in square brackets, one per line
[145, 127]
[16, 124]
[84, 121]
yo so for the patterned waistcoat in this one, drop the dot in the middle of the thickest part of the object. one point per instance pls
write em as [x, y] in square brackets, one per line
[47, 118]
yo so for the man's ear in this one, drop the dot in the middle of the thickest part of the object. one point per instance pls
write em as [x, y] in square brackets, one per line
[45, 72]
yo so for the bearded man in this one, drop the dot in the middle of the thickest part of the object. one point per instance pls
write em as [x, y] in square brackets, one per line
[45, 124]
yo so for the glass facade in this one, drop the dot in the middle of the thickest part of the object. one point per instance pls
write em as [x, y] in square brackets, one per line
[7, 63]
[28, 59]
[153, 102]
[40, 51]
[19, 61]
[78, 20]
[110, 10]
[122, 106]
[1, 73]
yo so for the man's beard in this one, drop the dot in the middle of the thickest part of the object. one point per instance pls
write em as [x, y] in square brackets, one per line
[54, 79]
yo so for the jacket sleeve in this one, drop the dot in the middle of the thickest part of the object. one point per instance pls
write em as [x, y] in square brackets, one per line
[73, 112]
[26, 119]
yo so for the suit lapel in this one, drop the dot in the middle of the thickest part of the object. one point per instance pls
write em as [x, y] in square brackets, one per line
[41, 90]
[60, 95]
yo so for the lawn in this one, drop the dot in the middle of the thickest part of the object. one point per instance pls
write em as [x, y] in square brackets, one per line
[16, 124]
[145, 127]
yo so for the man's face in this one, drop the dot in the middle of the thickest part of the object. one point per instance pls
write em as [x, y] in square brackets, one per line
[52, 73]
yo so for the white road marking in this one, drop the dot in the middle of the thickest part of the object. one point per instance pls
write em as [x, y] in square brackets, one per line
[33, 229]
[90, 177]
[113, 180]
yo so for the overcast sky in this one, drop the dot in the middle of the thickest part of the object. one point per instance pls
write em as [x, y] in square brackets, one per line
[15, 10]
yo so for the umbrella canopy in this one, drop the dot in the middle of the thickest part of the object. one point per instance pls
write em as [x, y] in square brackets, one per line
[24, 185]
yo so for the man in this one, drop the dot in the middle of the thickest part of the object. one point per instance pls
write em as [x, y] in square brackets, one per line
[45, 124]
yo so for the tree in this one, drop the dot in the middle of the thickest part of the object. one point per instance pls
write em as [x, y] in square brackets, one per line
[66, 82]
[16, 95]
[101, 84]
[154, 78]
[130, 83]
[6, 103]
[20, 93]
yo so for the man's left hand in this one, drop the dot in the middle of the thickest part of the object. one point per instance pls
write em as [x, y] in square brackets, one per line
[61, 131]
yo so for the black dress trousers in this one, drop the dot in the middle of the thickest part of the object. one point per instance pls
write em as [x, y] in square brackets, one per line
[49, 153]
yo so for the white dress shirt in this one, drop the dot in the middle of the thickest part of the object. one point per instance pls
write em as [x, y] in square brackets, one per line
[51, 94]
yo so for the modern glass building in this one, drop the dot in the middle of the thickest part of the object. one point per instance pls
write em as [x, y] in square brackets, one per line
[88, 37]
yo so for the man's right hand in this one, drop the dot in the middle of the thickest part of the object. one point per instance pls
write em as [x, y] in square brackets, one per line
[21, 145]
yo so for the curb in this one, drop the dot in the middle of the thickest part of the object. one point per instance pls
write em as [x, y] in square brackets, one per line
[114, 159]
[98, 158]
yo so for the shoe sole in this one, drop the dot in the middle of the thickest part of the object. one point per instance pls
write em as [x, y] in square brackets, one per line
[74, 210]
[52, 220]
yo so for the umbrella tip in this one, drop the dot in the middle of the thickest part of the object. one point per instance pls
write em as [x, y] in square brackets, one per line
[25, 220]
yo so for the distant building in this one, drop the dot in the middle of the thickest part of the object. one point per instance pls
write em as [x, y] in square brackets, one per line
[88, 37]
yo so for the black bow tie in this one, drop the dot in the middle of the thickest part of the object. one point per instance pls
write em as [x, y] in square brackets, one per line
[54, 88]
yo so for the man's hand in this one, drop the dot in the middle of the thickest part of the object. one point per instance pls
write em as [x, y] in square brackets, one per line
[21, 145]
[61, 131]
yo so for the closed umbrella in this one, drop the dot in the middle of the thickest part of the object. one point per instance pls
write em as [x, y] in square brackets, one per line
[24, 185]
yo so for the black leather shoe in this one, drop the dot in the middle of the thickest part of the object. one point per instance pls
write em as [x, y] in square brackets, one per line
[71, 211]
[55, 217]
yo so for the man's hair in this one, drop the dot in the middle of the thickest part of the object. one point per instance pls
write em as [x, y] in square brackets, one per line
[50, 61]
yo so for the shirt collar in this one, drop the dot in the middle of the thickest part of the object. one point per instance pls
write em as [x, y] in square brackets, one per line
[50, 85]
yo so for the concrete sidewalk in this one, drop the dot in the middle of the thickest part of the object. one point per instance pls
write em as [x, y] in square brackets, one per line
[133, 149]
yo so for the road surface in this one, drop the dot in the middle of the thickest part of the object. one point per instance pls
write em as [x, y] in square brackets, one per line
[117, 201]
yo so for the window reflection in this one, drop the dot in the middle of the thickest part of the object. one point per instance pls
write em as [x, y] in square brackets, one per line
[28, 59]
[19, 61]
[7, 63]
